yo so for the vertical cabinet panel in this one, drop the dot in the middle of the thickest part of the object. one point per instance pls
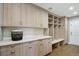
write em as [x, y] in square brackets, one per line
[11, 15]
[40, 48]
[47, 46]
[30, 49]
[44, 18]
[1, 13]
[3, 51]
[7, 15]
[27, 15]
[16, 18]
[44, 47]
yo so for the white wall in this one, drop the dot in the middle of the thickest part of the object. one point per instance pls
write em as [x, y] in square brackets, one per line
[66, 30]
[26, 32]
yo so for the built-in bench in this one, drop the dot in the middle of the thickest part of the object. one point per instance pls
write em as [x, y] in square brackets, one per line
[57, 43]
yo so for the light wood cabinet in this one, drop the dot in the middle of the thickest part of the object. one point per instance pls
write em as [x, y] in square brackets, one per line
[1, 13]
[44, 46]
[30, 49]
[47, 46]
[40, 48]
[33, 16]
[11, 50]
[44, 18]
[12, 15]
[15, 50]
[3, 51]
[25, 15]
[34, 48]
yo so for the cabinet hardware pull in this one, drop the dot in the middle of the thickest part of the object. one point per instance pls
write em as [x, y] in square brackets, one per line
[40, 44]
[12, 52]
[12, 46]
[30, 47]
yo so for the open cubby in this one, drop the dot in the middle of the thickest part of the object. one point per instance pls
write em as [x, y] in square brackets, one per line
[56, 28]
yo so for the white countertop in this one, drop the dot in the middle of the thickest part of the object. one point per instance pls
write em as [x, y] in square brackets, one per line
[25, 39]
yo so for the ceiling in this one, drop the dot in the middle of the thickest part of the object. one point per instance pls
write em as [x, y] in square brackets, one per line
[61, 9]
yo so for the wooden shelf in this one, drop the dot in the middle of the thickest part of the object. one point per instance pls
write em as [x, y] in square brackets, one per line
[57, 40]
[56, 27]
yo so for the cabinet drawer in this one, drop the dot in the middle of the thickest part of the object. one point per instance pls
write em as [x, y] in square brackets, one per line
[15, 50]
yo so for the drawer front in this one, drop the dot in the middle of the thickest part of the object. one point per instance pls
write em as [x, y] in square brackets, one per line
[15, 50]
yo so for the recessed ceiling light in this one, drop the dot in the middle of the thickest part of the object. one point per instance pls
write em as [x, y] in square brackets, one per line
[75, 13]
[71, 8]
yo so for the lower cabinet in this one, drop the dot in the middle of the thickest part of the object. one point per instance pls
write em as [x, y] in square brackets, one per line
[40, 47]
[3, 51]
[30, 49]
[11, 50]
[34, 48]
[44, 47]
[48, 46]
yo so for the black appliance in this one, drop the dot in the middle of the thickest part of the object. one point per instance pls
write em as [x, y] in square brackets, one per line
[16, 35]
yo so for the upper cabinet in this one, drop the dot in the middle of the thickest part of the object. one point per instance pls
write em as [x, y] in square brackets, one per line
[1, 13]
[44, 18]
[12, 15]
[25, 15]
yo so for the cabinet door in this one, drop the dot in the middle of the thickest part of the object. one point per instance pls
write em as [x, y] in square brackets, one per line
[11, 15]
[33, 16]
[28, 15]
[30, 49]
[41, 48]
[41, 18]
[44, 18]
[47, 46]
[3, 51]
[1, 13]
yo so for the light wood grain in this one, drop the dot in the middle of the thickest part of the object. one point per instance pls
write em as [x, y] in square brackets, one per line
[25, 15]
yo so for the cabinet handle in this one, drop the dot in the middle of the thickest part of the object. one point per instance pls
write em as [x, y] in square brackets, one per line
[12, 52]
[41, 44]
[30, 47]
[40, 40]
[12, 46]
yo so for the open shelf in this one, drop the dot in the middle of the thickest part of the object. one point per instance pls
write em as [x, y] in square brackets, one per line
[56, 27]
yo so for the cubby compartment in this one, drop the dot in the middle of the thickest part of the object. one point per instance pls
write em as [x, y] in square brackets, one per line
[56, 30]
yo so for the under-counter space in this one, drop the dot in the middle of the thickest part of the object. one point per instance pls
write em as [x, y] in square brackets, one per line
[25, 39]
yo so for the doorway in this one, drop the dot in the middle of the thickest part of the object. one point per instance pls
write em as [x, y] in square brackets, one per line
[74, 31]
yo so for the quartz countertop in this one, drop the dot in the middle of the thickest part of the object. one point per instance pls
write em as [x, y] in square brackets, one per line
[25, 39]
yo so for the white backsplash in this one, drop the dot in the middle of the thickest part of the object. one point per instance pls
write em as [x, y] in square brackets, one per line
[26, 32]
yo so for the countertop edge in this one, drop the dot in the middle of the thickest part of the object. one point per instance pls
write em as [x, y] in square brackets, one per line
[6, 43]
